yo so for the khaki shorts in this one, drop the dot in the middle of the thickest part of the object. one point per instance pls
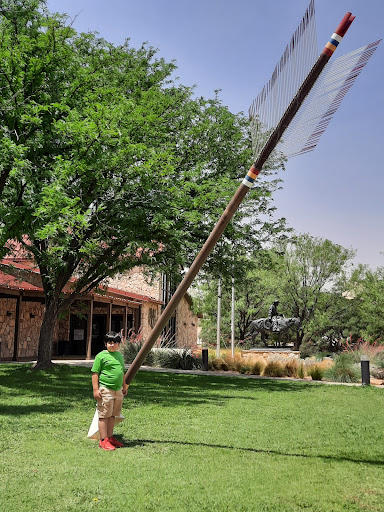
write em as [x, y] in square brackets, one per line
[110, 403]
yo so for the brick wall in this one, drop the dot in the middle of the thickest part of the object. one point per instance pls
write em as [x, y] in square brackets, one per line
[31, 316]
[7, 327]
[186, 325]
[135, 281]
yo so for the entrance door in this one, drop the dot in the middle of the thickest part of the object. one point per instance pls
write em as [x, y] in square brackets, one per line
[99, 329]
[77, 335]
[116, 323]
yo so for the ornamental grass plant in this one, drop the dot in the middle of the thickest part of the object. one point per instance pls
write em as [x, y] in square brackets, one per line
[274, 368]
[373, 349]
[160, 356]
[316, 372]
[344, 369]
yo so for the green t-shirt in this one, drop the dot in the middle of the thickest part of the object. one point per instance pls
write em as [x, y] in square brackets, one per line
[111, 368]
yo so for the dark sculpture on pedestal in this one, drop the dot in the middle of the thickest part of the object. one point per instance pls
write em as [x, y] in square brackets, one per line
[274, 315]
[275, 323]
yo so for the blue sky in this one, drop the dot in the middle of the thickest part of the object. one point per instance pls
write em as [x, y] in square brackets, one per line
[334, 192]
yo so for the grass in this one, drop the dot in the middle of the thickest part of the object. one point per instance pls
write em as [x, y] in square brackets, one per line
[193, 443]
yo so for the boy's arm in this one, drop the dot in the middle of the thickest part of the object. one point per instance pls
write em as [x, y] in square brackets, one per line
[95, 385]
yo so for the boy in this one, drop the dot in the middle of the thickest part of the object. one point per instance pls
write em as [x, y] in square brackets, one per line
[109, 388]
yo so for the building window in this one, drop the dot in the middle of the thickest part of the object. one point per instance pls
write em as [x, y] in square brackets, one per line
[152, 317]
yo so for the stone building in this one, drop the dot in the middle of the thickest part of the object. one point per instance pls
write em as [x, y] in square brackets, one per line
[131, 303]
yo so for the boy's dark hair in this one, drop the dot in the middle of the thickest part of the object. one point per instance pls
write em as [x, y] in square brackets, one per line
[112, 336]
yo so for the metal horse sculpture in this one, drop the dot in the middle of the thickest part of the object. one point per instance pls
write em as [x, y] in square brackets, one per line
[263, 326]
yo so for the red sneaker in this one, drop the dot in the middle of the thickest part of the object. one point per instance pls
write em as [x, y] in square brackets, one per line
[115, 442]
[106, 445]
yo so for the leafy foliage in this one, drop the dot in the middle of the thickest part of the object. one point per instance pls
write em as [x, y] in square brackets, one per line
[307, 274]
[367, 316]
[255, 289]
[312, 279]
[107, 162]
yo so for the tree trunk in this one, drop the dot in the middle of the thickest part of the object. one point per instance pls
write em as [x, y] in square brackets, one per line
[44, 357]
[299, 339]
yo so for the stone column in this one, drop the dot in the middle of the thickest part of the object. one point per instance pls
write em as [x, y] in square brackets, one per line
[17, 327]
[89, 330]
[109, 317]
[125, 321]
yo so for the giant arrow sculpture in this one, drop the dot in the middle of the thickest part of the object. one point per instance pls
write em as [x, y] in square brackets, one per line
[299, 114]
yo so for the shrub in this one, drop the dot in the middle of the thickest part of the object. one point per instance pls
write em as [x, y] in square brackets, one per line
[229, 362]
[219, 364]
[374, 349]
[274, 369]
[176, 358]
[343, 369]
[166, 358]
[188, 361]
[238, 363]
[130, 349]
[257, 367]
[308, 349]
[378, 373]
[291, 367]
[301, 370]
[245, 368]
[379, 360]
[316, 371]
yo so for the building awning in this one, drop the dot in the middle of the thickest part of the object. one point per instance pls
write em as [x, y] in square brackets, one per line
[18, 281]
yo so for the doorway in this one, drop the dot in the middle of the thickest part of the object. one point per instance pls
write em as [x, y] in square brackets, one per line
[99, 328]
[77, 335]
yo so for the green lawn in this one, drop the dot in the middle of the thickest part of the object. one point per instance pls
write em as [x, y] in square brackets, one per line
[193, 443]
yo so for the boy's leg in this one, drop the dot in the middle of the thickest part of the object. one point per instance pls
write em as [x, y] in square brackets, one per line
[103, 427]
[118, 402]
[105, 408]
[110, 426]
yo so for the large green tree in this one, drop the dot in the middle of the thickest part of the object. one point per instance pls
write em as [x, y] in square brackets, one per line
[313, 275]
[107, 162]
[307, 274]
[366, 294]
[255, 288]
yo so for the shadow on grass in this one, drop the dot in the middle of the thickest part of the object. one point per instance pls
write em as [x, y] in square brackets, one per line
[59, 387]
[19, 410]
[143, 442]
[64, 384]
